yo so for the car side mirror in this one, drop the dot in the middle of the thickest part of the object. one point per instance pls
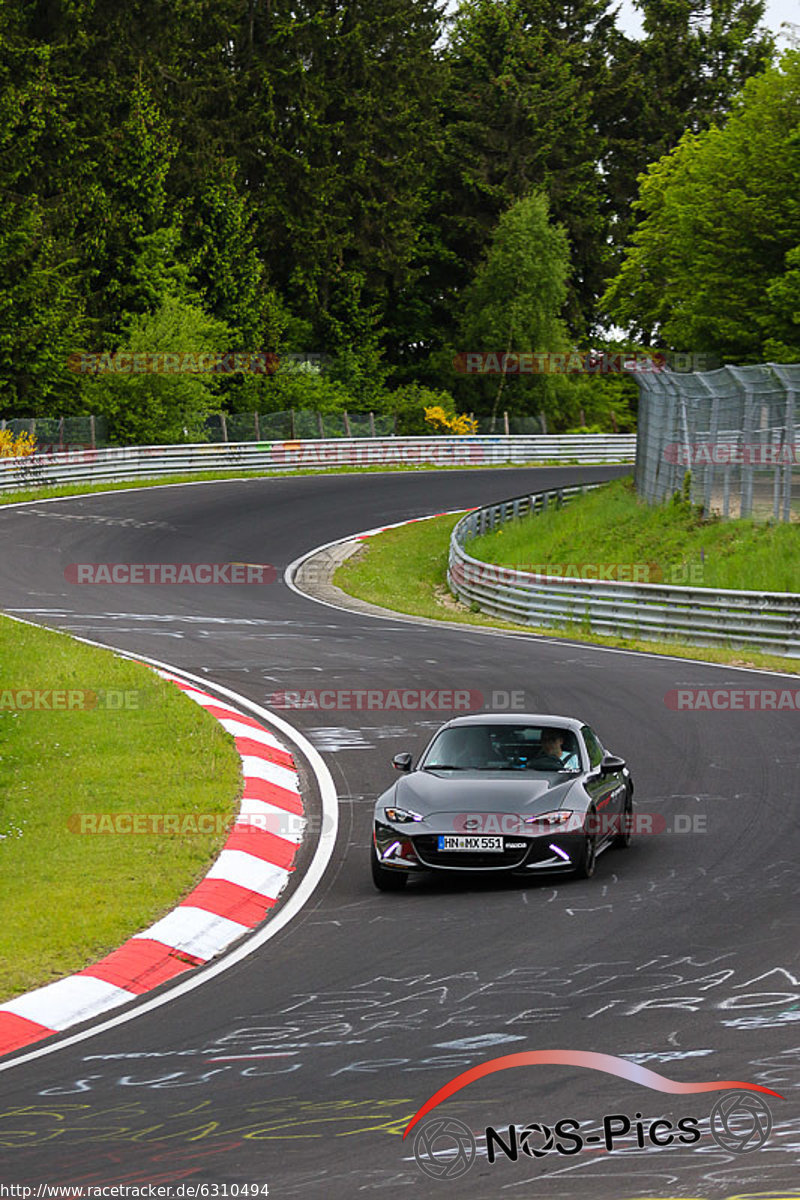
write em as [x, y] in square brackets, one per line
[402, 762]
[611, 764]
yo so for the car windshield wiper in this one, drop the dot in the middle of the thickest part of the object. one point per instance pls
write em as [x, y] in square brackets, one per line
[442, 767]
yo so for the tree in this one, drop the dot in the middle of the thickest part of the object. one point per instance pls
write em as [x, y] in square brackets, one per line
[220, 235]
[40, 311]
[713, 266]
[514, 302]
[151, 406]
[220, 242]
[523, 80]
[131, 203]
[693, 58]
[336, 104]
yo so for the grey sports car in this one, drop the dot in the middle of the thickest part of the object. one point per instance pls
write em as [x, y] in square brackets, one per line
[520, 793]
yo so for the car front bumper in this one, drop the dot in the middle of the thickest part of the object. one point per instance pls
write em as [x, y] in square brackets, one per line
[396, 848]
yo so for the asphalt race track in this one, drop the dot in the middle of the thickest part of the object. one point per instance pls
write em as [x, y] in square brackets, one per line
[301, 1065]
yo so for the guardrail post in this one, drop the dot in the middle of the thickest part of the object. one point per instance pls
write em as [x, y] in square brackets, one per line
[713, 435]
[686, 438]
[224, 424]
[746, 501]
[789, 444]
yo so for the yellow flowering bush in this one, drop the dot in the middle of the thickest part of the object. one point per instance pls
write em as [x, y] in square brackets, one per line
[442, 422]
[16, 447]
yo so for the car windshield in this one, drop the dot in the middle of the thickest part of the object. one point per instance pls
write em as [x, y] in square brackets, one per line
[503, 748]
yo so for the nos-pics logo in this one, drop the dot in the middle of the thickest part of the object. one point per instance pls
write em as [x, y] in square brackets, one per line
[445, 1148]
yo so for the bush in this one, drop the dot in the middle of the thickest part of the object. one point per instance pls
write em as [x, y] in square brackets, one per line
[16, 447]
[410, 402]
[161, 408]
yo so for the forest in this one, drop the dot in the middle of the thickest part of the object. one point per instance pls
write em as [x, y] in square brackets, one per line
[359, 193]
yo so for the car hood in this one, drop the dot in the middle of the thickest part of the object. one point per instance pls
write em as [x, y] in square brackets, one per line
[488, 792]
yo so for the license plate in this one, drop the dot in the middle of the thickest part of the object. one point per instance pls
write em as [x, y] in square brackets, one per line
[461, 841]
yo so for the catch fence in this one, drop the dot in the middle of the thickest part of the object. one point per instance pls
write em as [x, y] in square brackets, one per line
[735, 431]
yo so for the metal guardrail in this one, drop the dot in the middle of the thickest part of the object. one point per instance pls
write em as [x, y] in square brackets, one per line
[768, 621]
[147, 462]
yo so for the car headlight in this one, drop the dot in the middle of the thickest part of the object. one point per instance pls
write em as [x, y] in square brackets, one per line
[552, 820]
[400, 816]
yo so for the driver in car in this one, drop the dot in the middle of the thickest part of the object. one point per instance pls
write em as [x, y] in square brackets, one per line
[551, 753]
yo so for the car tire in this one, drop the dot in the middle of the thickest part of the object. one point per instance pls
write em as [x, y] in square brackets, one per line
[623, 839]
[586, 864]
[385, 879]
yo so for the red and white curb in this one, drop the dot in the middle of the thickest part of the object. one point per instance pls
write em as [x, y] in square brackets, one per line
[241, 887]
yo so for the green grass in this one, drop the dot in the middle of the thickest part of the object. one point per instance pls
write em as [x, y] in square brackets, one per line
[68, 898]
[612, 526]
[405, 570]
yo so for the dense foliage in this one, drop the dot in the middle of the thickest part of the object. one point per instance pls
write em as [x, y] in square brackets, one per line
[335, 179]
[715, 262]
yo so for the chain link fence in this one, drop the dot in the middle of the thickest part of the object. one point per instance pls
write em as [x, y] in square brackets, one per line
[65, 433]
[298, 423]
[59, 434]
[733, 430]
[309, 424]
[68, 433]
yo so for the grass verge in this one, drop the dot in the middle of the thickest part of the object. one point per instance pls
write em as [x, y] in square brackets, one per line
[405, 570]
[667, 543]
[136, 745]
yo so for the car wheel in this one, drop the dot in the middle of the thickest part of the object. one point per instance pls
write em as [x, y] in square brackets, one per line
[585, 866]
[385, 879]
[623, 839]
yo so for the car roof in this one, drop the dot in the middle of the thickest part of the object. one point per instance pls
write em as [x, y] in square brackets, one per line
[517, 718]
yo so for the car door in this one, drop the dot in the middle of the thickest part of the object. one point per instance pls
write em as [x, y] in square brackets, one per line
[607, 791]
